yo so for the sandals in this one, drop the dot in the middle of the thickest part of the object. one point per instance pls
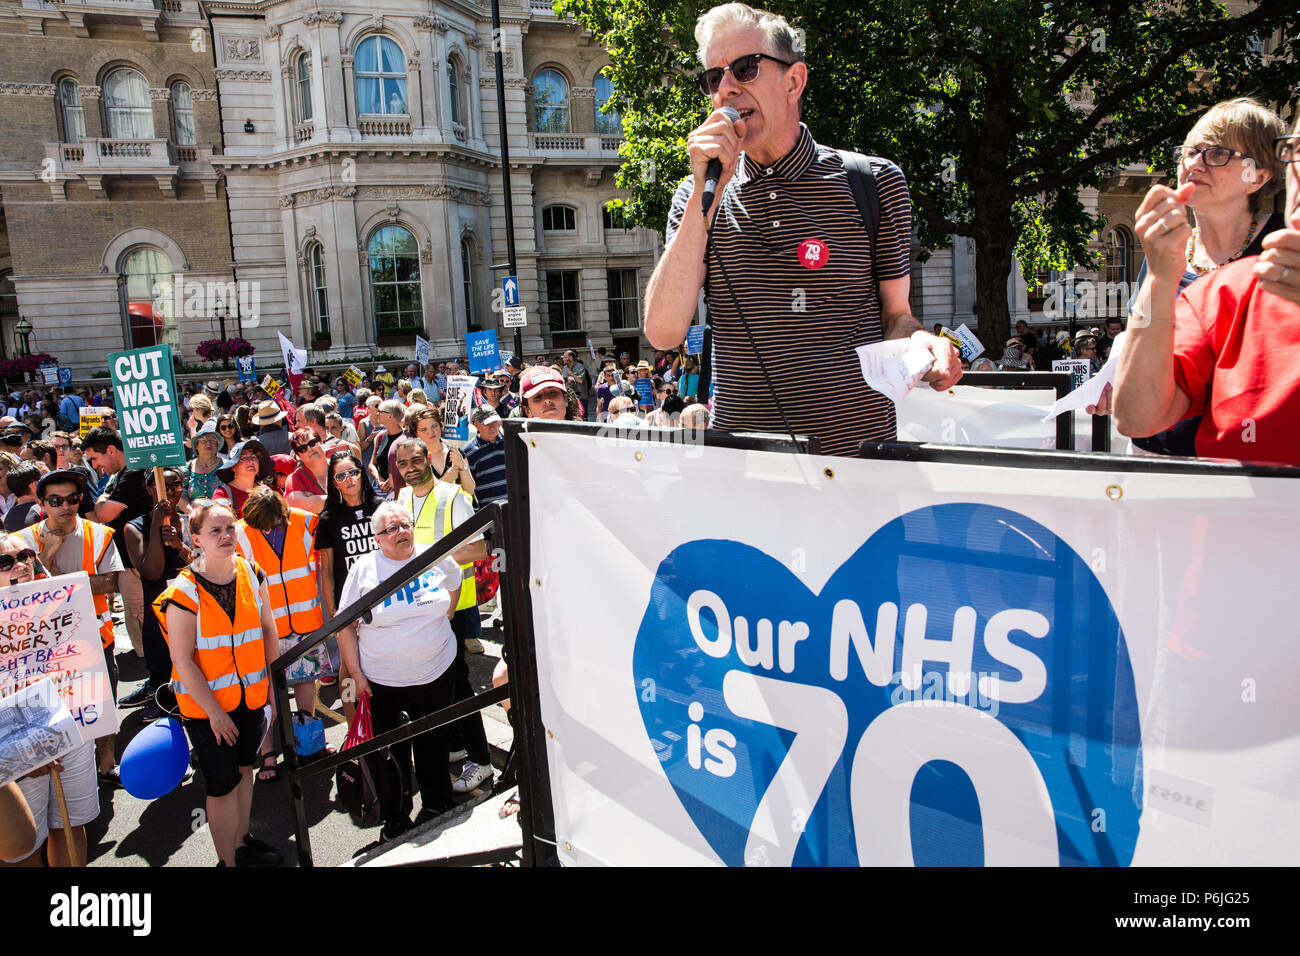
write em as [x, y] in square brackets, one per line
[268, 764]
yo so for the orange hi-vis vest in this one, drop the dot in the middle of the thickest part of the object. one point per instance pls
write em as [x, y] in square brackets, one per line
[96, 539]
[291, 577]
[230, 654]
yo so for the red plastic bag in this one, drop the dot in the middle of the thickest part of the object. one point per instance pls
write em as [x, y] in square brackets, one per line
[361, 728]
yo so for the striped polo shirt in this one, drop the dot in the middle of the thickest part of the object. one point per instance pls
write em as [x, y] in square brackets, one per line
[487, 463]
[806, 322]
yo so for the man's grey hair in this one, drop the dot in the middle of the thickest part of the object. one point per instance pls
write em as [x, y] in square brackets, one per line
[784, 41]
[406, 441]
[311, 412]
[384, 513]
[393, 407]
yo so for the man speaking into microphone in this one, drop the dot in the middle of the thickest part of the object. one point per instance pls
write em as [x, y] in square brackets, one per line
[791, 261]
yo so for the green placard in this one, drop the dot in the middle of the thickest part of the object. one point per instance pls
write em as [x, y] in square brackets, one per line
[145, 396]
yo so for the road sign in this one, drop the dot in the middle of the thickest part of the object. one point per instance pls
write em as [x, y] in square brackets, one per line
[510, 286]
[145, 395]
[515, 318]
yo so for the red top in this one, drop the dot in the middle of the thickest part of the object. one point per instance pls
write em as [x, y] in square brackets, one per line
[302, 480]
[239, 497]
[1234, 356]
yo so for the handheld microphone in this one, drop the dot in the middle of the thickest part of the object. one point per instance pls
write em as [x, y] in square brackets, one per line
[713, 172]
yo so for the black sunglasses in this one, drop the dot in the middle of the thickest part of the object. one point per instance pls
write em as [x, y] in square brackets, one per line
[7, 561]
[299, 449]
[744, 69]
[58, 501]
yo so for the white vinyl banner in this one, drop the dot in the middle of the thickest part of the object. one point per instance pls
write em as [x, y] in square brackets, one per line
[993, 417]
[754, 658]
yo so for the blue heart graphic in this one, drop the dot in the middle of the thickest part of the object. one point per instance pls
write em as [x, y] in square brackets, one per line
[1049, 739]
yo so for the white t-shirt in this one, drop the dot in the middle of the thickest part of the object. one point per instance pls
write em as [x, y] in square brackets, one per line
[409, 639]
[67, 560]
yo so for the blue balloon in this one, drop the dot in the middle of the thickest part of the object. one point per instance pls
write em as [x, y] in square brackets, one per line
[154, 761]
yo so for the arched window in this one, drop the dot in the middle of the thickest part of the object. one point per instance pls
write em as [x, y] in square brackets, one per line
[381, 77]
[183, 114]
[558, 219]
[453, 88]
[302, 74]
[609, 123]
[74, 119]
[550, 103]
[320, 307]
[395, 279]
[126, 100]
[149, 300]
[466, 269]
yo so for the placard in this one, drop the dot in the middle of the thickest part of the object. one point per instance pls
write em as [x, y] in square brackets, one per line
[971, 347]
[89, 417]
[247, 367]
[1080, 370]
[645, 388]
[65, 376]
[144, 394]
[481, 347]
[421, 352]
[695, 340]
[49, 629]
[353, 375]
[456, 407]
[35, 728]
[50, 374]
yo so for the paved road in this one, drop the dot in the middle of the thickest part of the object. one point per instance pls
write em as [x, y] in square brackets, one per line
[170, 831]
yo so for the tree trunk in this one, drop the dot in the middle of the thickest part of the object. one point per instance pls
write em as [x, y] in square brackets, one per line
[994, 246]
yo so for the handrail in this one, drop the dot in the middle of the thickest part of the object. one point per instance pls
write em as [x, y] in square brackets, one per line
[490, 516]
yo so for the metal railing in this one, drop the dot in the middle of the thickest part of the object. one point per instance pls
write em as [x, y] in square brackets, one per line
[488, 517]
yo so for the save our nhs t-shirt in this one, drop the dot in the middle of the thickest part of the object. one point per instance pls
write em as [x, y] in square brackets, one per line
[409, 639]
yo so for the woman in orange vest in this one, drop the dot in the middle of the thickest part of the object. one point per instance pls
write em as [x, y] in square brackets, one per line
[281, 541]
[216, 616]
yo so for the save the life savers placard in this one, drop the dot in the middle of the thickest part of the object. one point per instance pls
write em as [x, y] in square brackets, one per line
[145, 395]
[877, 662]
[48, 628]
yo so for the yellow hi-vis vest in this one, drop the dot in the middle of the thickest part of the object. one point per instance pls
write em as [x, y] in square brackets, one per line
[291, 577]
[431, 524]
[230, 654]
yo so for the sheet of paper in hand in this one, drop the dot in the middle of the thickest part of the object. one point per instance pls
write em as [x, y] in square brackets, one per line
[894, 367]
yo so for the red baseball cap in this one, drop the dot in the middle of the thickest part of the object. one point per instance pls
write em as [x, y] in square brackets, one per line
[537, 379]
[284, 464]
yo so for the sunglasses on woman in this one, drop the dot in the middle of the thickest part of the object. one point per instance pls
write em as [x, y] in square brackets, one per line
[744, 69]
[7, 561]
[347, 475]
[299, 449]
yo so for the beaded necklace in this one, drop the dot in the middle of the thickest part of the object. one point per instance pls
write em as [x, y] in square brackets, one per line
[1191, 249]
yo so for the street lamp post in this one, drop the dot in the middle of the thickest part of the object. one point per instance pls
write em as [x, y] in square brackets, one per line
[24, 328]
[220, 311]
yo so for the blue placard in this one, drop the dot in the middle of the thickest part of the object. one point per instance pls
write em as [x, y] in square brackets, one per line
[481, 347]
[510, 286]
[247, 368]
[65, 377]
[645, 388]
[695, 340]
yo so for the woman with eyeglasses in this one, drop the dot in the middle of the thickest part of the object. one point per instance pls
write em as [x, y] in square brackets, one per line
[1213, 349]
[217, 619]
[1229, 164]
[305, 488]
[402, 657]
[247, 468]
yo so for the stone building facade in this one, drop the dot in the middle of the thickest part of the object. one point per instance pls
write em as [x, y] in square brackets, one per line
[333, 174]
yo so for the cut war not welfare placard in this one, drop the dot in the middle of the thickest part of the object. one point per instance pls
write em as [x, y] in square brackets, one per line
[145, 395]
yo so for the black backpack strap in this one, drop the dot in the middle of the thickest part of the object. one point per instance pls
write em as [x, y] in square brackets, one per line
[862, 180]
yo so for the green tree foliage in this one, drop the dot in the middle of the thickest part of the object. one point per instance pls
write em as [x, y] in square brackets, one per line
[998, 111]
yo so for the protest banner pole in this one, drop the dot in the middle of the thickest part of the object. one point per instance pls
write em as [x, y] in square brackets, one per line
[74, 852]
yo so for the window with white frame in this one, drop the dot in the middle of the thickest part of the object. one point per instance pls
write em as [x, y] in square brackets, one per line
[320, 306]
[558, 219]
[149, 300]
[624, 306]
[381, 77]
[183, 114]
[74, 117]
[467, 274]
[302, 77]
[127, 105]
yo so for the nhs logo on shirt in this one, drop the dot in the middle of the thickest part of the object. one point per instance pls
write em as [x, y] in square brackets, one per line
[958, 693]
[419, 590]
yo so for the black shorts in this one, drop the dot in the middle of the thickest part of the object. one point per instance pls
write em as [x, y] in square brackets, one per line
[110, 658]
[220, 762]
